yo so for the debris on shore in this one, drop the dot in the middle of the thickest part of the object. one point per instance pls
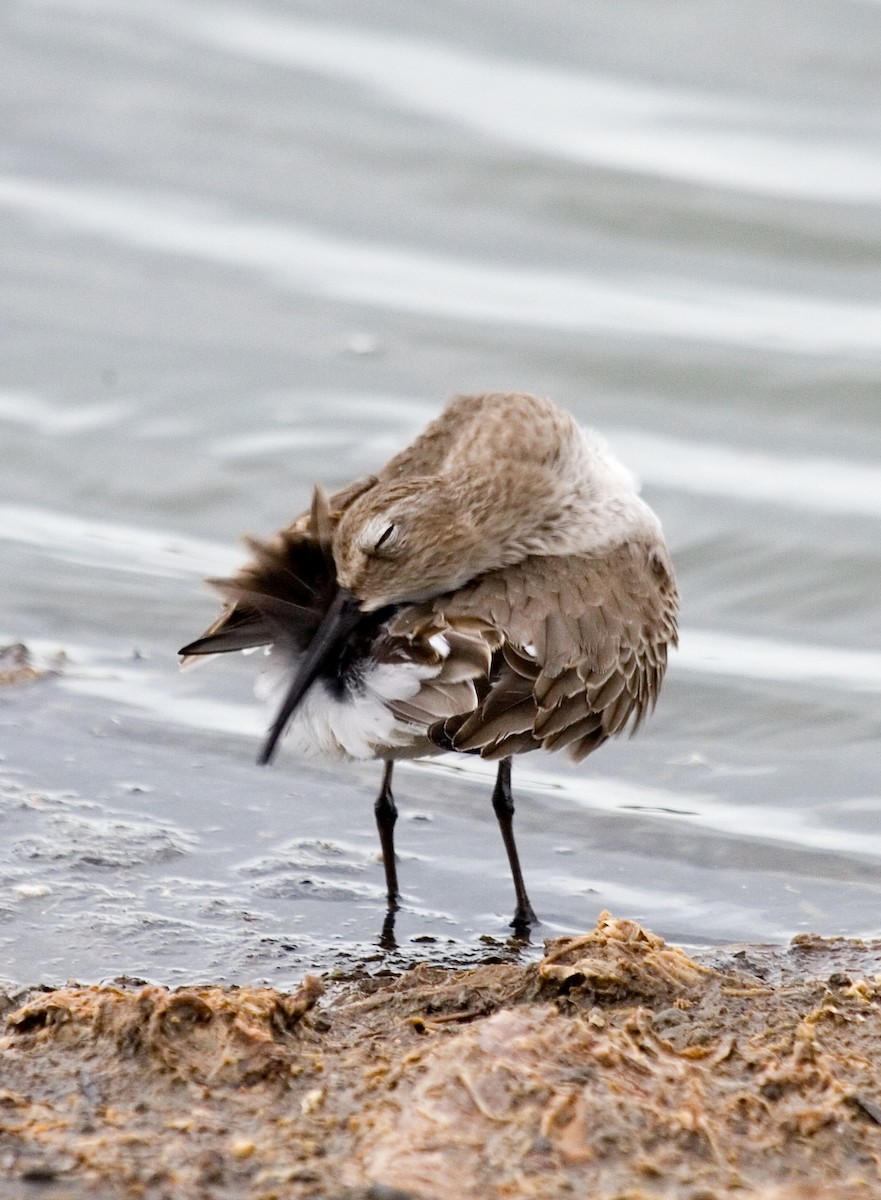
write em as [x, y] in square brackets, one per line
[617, 1068]
[17, 666]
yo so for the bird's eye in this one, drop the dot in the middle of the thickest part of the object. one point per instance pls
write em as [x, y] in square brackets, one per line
[387, 538]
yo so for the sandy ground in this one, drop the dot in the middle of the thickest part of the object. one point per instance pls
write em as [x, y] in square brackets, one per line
[617, 1067]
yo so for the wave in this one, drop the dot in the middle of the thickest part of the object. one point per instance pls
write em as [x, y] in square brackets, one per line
[808, 483]
[34, 412]
[401, 279]
[675, 133]
[109, 546]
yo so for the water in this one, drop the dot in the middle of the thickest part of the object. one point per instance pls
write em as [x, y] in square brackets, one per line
[250, 246]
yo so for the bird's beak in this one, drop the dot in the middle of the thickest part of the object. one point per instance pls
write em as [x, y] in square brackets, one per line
[338, 622]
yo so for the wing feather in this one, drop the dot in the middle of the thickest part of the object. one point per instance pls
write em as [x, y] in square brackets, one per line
[583, 645]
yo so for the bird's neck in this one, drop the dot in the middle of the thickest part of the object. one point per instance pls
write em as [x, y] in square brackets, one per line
[576, 499]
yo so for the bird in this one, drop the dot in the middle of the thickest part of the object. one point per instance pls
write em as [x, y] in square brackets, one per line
[498, 587]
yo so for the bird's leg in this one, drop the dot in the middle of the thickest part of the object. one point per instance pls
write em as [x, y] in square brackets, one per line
[386, 815]
[503, 804]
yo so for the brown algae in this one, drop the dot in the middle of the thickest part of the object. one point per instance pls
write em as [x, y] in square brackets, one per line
[617, 1067]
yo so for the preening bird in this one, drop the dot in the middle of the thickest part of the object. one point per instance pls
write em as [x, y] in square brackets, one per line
[498, 587]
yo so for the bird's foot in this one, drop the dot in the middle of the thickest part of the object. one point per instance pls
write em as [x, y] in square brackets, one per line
[523, 922]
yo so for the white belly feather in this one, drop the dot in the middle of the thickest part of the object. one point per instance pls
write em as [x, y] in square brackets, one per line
[354, 722]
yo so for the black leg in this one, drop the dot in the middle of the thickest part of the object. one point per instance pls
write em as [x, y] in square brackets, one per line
[386, 815]
[503, 804]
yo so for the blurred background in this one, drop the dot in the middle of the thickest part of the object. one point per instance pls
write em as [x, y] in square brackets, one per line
[250, 246]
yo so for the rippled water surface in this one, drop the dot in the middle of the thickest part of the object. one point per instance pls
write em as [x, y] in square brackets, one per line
[249, 246]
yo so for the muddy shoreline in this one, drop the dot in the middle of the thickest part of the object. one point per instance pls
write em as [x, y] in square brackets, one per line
[616, 1067]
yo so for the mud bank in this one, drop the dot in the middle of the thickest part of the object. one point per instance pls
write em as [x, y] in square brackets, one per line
[618, 1067]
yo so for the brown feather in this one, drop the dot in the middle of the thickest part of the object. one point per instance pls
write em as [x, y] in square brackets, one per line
[600, 628]
[477, 732]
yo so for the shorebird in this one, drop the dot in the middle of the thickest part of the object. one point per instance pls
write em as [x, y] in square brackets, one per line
[498, 587]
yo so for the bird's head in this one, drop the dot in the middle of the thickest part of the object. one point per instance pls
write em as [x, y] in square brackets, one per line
[405, 541]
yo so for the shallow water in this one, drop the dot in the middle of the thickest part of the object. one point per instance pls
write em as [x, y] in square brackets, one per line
[247, 247]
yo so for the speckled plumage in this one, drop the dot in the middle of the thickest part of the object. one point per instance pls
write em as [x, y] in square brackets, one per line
[508, 591]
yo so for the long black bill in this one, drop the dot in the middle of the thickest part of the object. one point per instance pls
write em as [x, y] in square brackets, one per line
[338, 622]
